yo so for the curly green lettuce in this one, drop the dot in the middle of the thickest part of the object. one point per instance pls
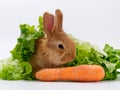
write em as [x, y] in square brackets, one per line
[18, 67]
[108, 58]
[25, 46]
[15, 70]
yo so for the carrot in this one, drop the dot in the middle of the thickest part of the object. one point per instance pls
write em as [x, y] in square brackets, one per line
[83, 73]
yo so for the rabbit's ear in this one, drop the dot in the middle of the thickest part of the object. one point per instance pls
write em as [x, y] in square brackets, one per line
[48, 22]
[59, 19]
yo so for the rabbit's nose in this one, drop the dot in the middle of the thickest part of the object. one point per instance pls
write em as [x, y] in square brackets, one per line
[72, 57]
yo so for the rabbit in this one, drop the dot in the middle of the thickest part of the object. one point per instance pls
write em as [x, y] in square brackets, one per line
[56, 47]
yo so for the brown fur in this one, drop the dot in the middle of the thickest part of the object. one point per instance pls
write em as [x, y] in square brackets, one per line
[48, 54]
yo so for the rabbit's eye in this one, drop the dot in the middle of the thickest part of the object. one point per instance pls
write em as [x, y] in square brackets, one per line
[61, 46]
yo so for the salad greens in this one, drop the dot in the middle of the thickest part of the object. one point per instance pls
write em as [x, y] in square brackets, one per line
[88, 54]
[17, 67]
[26, 42]
[15, 70]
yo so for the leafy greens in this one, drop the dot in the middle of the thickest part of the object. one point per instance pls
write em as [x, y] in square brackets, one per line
[15, 70]
[89, 54]
[26, 42]
[17, 67]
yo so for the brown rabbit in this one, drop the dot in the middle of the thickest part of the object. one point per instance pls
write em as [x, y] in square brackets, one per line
[55, 48]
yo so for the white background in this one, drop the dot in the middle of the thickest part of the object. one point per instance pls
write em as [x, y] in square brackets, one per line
[96, 21]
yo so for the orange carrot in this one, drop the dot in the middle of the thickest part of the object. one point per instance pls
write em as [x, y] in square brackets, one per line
[76, 73]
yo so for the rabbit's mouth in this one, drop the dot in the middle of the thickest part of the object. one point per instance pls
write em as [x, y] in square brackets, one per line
[57, 60]
[62, 61]
[67, 59]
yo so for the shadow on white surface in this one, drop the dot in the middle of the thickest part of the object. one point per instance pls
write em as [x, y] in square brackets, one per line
[38, 85]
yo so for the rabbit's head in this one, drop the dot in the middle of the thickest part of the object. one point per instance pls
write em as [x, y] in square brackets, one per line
[62, 48]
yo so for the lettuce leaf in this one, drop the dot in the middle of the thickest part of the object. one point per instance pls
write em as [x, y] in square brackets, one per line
[15, 70]
[25, 46]
[17, 67]
[108, 58]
